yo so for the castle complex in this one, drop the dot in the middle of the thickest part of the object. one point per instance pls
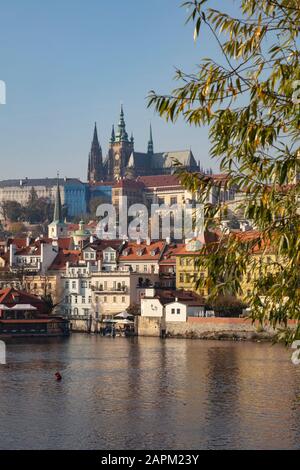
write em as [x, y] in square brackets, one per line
[123, 161]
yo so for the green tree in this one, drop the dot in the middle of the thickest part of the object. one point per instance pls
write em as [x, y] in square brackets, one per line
[12, 211]
[248, 96]
[38, 210]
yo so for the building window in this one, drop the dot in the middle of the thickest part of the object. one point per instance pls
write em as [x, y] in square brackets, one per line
[123, 300]
[105, 299]
[145, 268]
[83, 300]
[178, 311]
[173, 311]
[75, 299]
[73, 284]
[173, 200]
[67, 284]
[181, 277]
[114, 300]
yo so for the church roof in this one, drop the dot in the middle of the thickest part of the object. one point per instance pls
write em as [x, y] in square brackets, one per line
[162, 160]
[140, 160]
[167, 159]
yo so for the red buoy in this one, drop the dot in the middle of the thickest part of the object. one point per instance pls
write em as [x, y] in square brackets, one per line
[58, 376]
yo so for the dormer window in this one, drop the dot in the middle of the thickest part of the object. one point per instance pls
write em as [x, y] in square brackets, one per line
[154, 252]
[140, 252]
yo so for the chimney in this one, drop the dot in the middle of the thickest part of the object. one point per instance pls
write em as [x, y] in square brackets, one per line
[148, 241]
[91, 239]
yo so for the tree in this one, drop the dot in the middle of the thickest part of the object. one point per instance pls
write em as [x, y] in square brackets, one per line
[134, 310]
[248, 96]
[12, 211]
[38, 210]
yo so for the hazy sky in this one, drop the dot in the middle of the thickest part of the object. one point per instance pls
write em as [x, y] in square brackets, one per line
[68, 63]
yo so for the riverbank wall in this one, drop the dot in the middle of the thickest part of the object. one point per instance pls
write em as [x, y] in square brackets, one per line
[84, 325]
[205, 328]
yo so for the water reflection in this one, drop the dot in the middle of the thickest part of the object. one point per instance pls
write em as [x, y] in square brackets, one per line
[148, 393]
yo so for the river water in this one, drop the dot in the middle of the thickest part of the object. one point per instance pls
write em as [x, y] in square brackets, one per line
[147, 393]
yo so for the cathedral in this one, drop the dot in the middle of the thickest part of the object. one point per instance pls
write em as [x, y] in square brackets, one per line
[123, 161]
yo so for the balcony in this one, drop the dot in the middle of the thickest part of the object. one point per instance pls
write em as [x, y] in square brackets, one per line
[110, 290]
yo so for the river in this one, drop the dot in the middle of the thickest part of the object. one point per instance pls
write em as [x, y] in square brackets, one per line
[147, 393]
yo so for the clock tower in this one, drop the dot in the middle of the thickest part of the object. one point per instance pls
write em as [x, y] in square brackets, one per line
[121, 147]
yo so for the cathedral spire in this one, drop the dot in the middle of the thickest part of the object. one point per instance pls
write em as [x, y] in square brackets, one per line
[95, 164]
[58, 217]
[122, 135]
[95, 138]
[113, 135]
[150, 143]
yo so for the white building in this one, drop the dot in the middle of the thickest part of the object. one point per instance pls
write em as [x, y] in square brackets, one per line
[73, 192]
[164, 304]
[35, 257]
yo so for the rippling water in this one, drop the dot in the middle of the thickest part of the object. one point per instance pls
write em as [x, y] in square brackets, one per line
[146, 393]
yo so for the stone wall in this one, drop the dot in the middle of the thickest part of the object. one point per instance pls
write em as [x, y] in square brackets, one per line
[149, 326]
[219, 328]
[205, 328]
[84, 325]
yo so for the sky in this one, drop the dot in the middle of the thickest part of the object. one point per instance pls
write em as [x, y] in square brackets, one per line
[69, 63]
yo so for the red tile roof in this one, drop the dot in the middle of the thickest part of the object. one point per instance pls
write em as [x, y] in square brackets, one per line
[11, 297]
[133, 248]
[64, 256]
[160, 181]
[169, 256]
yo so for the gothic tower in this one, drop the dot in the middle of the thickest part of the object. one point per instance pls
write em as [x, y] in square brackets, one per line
[121, 147]
[95, 166]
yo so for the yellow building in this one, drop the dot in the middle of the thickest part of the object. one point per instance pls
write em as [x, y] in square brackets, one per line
[188, 270]
[44, 285]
